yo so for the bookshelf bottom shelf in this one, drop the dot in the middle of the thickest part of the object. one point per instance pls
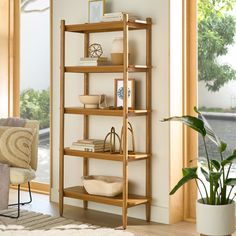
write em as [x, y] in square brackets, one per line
[78, 192]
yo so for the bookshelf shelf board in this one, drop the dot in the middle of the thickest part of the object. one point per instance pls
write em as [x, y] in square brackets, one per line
[78, 192]
[106, 26]
[105, 155]
[102, 112]
[105, 69]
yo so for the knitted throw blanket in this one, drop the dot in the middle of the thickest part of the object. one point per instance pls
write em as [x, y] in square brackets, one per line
[13, 122]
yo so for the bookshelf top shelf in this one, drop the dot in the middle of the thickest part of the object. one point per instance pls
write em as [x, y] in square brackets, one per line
[107, 26]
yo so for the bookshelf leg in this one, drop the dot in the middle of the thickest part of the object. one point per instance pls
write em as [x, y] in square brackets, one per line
[85, 205]
[61, 203]
[148, 211]
[124, 217]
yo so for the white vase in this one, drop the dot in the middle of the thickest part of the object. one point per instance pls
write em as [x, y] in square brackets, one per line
[117, 45]
[117, 55]
[215, 220]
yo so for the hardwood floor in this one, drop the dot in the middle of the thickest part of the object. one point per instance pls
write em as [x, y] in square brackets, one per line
[41, 204]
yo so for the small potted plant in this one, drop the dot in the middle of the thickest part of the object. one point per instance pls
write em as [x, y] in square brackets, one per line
[215, 210]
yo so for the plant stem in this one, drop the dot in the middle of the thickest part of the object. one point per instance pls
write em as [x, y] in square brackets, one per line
[210, 168]
[229, 194]
[232, 199]
[205, 189]
[207, 155]
[200, 191]
[227, 176]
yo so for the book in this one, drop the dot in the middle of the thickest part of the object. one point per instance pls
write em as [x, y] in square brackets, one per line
[89, 149]
[116, 16]
[91, 145]
[104, 19]
[94, 63]
[89, 59]
[90, 141]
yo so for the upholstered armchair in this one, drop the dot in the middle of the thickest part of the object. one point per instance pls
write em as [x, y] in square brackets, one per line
[19, 175]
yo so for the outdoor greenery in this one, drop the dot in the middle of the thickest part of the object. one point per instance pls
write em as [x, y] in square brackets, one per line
[216, 172]
[216, 31]
[35, 105]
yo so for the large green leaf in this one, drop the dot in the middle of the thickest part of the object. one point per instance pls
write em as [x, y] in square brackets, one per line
[216, 164]
[211, 133]
[215, 176]
[230, 159]
[230, 182]
[191, 121]
[189, 174]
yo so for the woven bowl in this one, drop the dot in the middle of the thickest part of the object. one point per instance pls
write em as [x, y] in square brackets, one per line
[108, 186]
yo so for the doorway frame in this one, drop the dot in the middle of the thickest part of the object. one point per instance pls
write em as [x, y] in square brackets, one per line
[14, 81]
[190, 99]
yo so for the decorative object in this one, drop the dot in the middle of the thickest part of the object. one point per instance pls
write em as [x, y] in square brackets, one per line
[4, 186]
[95, 50]
[96, 10]
[108, 186]
[112, 135]
[92, 101]
[117, 54]
[119, 93]
[90, 145]
[216, 208]
[15, 146]
[130, 128]
[52, 226]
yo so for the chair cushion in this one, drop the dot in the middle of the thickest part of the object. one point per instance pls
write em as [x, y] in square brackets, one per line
[20, 175]
[15, 146]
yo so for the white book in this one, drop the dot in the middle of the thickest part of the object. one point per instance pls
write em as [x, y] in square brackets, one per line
[92, 63]
[112, 19]
[90, 141]
[88, 149]
[92, 59]
[90, 145]
[113, 14]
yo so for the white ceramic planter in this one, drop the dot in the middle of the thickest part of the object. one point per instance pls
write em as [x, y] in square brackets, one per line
[215, 220]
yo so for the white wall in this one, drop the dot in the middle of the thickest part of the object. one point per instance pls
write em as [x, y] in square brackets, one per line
[74, 11]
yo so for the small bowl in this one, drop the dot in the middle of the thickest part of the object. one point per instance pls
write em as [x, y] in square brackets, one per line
[101, 185]
[90, 101]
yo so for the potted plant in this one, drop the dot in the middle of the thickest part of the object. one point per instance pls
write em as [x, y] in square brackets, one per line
[215, 210]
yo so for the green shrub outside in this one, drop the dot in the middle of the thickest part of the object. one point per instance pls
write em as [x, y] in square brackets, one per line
[35, 105]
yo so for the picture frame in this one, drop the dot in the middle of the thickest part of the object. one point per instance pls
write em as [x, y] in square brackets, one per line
[96, 10]
[119, 93]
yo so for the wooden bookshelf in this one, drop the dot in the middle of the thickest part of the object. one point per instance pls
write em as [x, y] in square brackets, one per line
[105, 69]
[107, 26]
[103, 112]
[125, 200]
[106, 155]
[78, 192]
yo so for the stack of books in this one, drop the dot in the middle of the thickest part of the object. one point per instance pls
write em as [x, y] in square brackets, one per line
[93, 61]
[116, 16]
[90, 145]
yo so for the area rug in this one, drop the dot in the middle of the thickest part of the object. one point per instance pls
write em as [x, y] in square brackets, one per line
[38, 224]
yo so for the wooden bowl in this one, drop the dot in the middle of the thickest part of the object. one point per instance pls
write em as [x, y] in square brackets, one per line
[90, 101]
[108, 186]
